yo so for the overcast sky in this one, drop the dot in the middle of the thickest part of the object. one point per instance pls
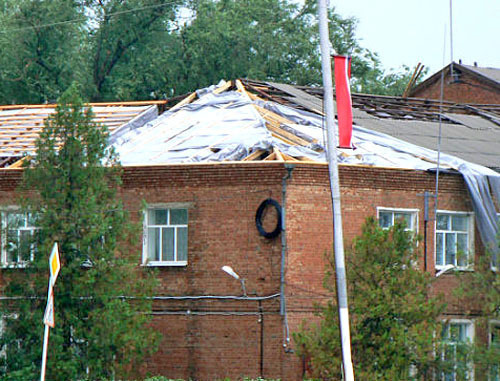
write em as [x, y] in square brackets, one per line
[405, 32]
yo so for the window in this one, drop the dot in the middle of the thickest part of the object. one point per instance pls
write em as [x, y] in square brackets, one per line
[388, 217]
[165, 236]
[17, 237]
[494, 372]
[456, 336]
[454, 239]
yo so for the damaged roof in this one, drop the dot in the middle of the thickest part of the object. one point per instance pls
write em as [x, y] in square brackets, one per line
[21, 124]
[470, 132]
[247, 120]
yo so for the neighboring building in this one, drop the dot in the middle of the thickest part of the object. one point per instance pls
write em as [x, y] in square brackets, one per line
[206, 166]
[462, 84]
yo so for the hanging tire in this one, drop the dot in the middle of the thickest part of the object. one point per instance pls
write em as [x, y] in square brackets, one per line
[258, 218]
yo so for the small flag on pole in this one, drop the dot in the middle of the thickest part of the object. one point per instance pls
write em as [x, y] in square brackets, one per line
[343, 97]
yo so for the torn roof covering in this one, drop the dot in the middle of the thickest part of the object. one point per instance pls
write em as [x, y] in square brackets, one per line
[234, 125]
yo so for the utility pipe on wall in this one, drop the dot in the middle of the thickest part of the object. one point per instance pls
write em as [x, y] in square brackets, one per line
[286, 334]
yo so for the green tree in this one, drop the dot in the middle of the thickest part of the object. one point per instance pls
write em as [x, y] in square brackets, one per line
[142, 49]
[393, 320]
[480, 290]
[38, 63]
[102, 296]
[112, 47]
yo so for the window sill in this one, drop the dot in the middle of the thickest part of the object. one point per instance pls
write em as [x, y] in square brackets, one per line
[455, 269]
[14, 265]
[165, 264]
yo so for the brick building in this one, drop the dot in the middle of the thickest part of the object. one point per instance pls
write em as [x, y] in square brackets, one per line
[462, 84]
[204, 194]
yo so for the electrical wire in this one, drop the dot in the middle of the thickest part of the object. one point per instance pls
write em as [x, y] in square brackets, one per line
[112, 14]
[71, 21]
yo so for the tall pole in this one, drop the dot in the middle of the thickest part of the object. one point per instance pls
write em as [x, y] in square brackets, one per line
[44, 354]
[50, 301]
[335, 189]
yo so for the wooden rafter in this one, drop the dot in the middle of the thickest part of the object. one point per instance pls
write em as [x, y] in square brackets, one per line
[274, 122]
[254, 155]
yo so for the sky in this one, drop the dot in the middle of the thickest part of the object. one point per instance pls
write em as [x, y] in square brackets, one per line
[405, 32]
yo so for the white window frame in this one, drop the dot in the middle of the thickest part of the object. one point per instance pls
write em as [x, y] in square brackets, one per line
[412, 212]
[470, 335]
[169, 206]
[470, 234]
[493, 323]
[4, 228]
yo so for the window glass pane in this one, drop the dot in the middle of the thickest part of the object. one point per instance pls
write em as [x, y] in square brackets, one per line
[442, 222]
[439, 249]
[153, 244]
[462, 333]
[495, 336]
[451, 248]
[182, 244]
[15, 220]
[157, 216]
[445, 331]
[178, 216]
[12, 245]
[32, 220]
[403, 217]
[167, 244]
[25, 245]
[462, 249]
[385, 219]
[459, 223]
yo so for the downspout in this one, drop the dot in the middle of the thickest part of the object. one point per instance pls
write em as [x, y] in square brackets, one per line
[261, 346]
[426, 219]
[286, 334]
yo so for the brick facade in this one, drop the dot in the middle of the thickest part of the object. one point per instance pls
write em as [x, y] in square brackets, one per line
[208, 331]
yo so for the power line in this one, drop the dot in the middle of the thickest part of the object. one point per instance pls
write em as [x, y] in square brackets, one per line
[86, 19]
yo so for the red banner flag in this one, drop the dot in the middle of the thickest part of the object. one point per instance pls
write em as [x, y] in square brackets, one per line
[343, 96]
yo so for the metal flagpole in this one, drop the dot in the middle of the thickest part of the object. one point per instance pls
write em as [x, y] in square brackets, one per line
[335, 189]
[45, 345]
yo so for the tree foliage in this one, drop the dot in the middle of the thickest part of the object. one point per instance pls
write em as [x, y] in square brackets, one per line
[101, 294]
[393, 320]
[480, 289]
[143, 49]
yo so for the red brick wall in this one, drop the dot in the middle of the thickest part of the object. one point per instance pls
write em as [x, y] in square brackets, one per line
[363, 189]
[210, 338]
[467, 90]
